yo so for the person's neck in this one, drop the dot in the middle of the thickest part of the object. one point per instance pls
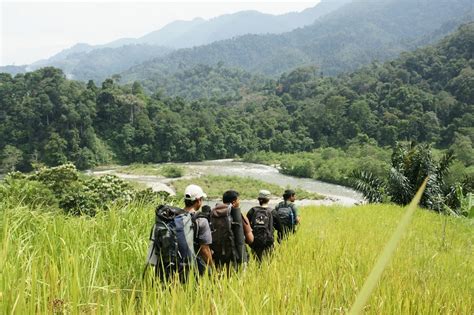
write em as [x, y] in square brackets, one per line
[189, 209]
[265, 205]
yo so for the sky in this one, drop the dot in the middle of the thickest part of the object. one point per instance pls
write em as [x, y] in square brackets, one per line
[33, 30]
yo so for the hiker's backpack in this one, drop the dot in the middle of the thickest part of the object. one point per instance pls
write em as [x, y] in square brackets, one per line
[287, 216]
[223, 240]
[172, 242]
[262, 226]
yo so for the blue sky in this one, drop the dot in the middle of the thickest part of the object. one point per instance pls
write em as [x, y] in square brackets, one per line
[33, 30]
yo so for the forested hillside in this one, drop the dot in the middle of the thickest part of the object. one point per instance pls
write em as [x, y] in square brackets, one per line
[354, 35]
[424, 96]
[218, 83]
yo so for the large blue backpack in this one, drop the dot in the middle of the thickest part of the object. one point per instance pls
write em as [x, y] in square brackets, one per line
[287, 216]
[171, 248]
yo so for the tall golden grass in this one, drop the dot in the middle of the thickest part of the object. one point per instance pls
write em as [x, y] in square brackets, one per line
[53, 263]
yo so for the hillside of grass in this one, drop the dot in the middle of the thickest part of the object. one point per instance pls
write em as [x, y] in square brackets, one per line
[46, 266]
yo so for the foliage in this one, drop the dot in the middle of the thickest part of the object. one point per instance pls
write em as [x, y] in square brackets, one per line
[217, 83]
[64, 187]
[371, 186]
[327, 164]
[410, 166]
[172, 171]
[31, 193]
[52, 263]
[422, 96]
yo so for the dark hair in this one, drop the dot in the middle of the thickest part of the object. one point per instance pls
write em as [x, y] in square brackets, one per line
[288, 193]
[261, 201]
[230, 196]
[189, 203]
[206, 209]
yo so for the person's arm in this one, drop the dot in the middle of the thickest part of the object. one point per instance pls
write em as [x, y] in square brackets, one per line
[204, 239]
[250, 214]
[206, 254]
[247, 230]
[297, 214]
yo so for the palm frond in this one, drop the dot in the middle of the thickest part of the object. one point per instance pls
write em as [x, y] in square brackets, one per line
[445, 163]
[400, 188]
[369, 185]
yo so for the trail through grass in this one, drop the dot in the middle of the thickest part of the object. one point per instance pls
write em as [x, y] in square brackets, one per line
[52, 263]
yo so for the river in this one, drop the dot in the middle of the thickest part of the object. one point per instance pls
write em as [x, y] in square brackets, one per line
[335, 194]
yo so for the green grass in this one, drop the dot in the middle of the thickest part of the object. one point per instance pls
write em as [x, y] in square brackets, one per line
[52, 263]
[247, 187]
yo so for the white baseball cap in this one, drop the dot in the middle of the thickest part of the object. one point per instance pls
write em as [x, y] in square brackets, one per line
[194, 192]
[264, 194]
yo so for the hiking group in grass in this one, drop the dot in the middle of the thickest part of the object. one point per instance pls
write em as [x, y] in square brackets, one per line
[203, 239]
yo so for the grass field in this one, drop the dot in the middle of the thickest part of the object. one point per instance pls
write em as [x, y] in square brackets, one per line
[51, 263]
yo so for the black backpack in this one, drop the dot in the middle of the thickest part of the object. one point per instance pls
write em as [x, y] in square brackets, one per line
[223, 240]
[262, 226]
[287, 216]
[172, 242]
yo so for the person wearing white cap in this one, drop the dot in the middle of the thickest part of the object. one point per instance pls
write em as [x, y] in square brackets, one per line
[193, 200]
[263, 221]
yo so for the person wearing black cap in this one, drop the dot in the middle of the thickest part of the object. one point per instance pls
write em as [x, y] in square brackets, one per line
[288, 214]
[263, 220]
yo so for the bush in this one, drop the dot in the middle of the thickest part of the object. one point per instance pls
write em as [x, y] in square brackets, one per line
[27, 192]
[172, 171]
[64, 187]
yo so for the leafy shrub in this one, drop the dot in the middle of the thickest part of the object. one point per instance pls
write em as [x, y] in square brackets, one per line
[148, 196]
[63, 186]
[109, 188]
[172, 171]
[56, 178]
[299, 168]
[328, 164]
[27, 192]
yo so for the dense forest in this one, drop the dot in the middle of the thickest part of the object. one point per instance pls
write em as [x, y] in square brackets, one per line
[423, 96]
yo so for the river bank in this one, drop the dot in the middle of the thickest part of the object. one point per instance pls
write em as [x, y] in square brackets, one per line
[334, 194]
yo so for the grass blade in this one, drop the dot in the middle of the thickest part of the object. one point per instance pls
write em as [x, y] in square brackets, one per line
[387, 254]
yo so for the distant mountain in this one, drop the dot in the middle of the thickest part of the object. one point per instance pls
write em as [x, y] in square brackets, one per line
[184, 34]
[349, 37]
[14, 69]
[78, 61]
[98, 64]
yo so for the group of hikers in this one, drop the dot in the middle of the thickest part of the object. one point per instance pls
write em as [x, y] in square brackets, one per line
[200, 238]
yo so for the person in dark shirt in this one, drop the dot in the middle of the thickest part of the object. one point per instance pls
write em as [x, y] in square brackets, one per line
[288, 219]
[263, 221]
